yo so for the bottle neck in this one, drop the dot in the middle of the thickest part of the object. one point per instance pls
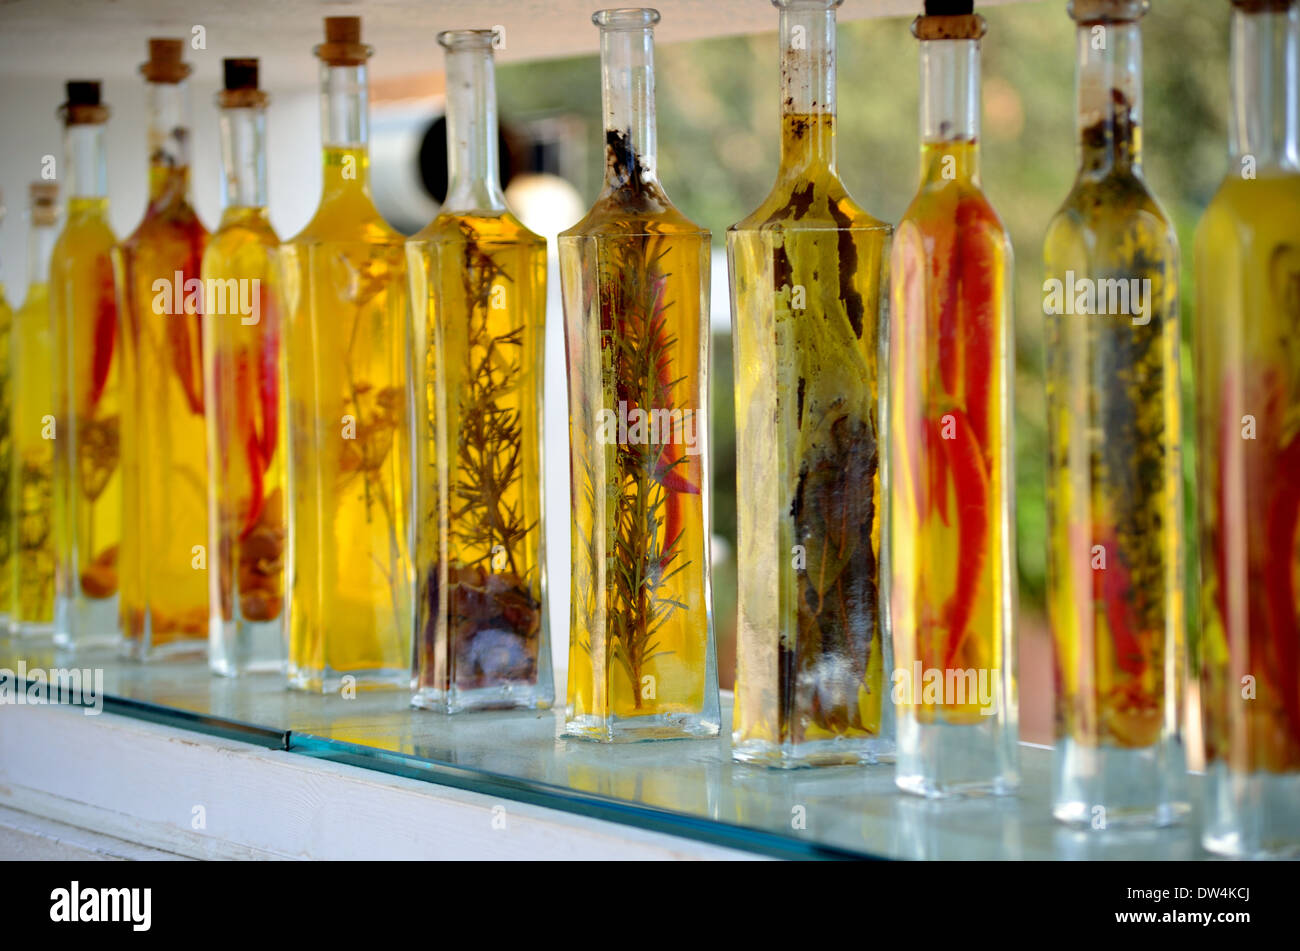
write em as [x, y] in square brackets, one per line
[243, 157]
[1265, 105]
[345, 126]
[950, 109]
[40, 246]
[473, 169]
[1108, 93]
[628, 81]
[808, 83]
[169, 140]
[84, 163]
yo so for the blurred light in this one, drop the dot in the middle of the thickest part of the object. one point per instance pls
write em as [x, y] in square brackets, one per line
[546, 204]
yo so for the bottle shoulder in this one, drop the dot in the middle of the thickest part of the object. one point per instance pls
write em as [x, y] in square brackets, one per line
[626, 211]
[347, 217]
[816, 202]
[167, 222]
[495, 227]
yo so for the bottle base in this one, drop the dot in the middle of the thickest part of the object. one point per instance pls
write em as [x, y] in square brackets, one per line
[1251, 815]
[142, 651]
[508, 696]
[1097, 787]
[87, 625]
[840, 751]
[663, 726]
[941, 760]
[246, 647]
[32, 632]
[340, 681]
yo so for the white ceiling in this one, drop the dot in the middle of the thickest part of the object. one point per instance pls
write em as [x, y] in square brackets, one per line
[56, 39]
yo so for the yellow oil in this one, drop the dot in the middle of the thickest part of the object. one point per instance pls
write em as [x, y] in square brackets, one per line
[950, 432]
[164, 561]
[6, 457]
[483, 281]
[89, 403]
[242, 373]
[1115, 573]
[34, 432]
[635, 280]
[1248, 381]
[806, 273]
[347, 347]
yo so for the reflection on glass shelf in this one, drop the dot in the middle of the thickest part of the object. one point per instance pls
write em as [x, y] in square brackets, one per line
[689, 787]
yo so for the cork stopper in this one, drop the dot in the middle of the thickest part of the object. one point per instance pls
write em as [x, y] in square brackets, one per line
[1107, 11]
[343, 46]
[240, 89]
[1265, 6]
[44, 198]
[164, 65]
[83, 105]
[949, 26]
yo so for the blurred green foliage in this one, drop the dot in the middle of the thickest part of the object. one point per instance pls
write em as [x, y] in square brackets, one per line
[717, 112]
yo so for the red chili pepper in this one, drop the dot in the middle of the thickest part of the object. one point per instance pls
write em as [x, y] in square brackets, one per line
[977, 268]
[1114, 586]
[942, 249]
[186, 351]
[268, 379]
[105, 335]
[971, 484]
[1279, 584]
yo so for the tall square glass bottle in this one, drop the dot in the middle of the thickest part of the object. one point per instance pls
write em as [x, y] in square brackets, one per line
[347, 350]
[242, 373]
[1248, 378]
[1115, 582]
[163, 552]
[634, 274]
[478, 289]
[87, 381]
[808, 317]
[951, 529]
[35, 431]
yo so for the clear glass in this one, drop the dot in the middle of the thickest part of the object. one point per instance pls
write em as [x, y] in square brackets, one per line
[951, 528]
[88, 399]
[478, 285]
[348, 352]
[808, 313]
[635, 280]
[34, 430]
[1248, 377]
[242, 368]
[164, 557]
[1115, 582]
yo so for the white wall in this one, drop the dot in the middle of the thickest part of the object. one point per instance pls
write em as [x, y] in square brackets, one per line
[31, 130]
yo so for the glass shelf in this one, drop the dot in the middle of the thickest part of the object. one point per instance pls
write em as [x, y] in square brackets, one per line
[688, 788]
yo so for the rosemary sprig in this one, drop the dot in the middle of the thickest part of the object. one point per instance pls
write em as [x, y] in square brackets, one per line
[490, 439]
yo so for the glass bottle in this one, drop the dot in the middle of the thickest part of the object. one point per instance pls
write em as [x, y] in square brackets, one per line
[1248, 378]
[807, 308]
[6, 450]
[164, 586]
[34, 429]
[83, 301]
[347, 352]
[478, 283]
[952, 534]
[635, 280]
[242, 370]
[1114, 489]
